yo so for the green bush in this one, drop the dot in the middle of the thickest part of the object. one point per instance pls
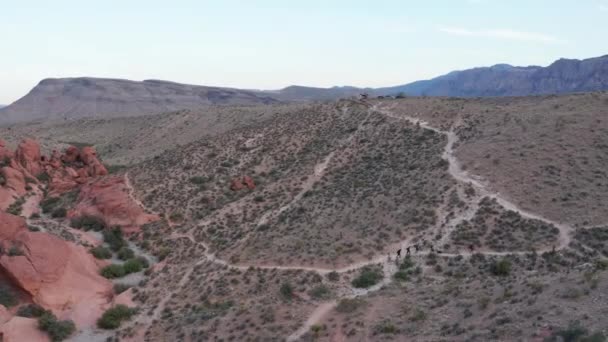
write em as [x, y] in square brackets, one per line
[31, 310]
[501, 268]
[125, 253]
[320, 292]
[88, 222]
[8, 297]
[101, 252]
[348, 305]
[286, 291]
[198, 180]
[132, 266]
[48, 204]
[401, 276]
[113, 317]
[113, 271]
[367, 278]
[57, 330]
[333, 276]
[59, 213]
[143, 261]
[114, 239]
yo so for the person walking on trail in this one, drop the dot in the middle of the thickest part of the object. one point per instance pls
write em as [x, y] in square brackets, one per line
[472, 248]
[407, 250]
[398, 253]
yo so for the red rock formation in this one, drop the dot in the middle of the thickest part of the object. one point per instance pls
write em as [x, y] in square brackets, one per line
[58, 275]
[28, 156]
[108, 199]
[71, 155]
[249, 183]
[5, 152]
[20, 329]
[242, 183]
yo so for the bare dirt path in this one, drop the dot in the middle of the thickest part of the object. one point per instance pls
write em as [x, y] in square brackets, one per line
[389, 267]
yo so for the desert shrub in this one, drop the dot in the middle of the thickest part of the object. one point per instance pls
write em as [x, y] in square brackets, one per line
[501, 268]
[31, 310]
[113, 317]
[198, 180]
[8, 297]
[88, 222]
[333, 276]
[114, 168]
[125, 253]
[418, 315]
[143, 261]
[15, 251]
[113, 271]
[163, 253]
[348, 305]
[120, 288]
[320, 292]
[401, 276]
[114, 239]
[101, 252]
[576, 333]
[367, 278]
[59, 213]
[57, 330]
[132, 266]
[286, 291]
[44, 177]
[385, 327]
[49, 204]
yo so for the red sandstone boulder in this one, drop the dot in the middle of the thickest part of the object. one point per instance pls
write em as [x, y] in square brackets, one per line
[5, 152]
[71, 155]
[21, 329]
[28, 156]
[108, 199]
[58, 275]
[242, 183]
[248, 181]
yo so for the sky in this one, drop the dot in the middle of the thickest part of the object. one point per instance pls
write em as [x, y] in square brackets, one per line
[270, 44]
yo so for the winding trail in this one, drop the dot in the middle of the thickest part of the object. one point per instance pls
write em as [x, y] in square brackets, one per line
[389, 267]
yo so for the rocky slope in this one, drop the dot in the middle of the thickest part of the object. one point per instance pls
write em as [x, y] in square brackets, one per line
[43, 261]
[70, 98]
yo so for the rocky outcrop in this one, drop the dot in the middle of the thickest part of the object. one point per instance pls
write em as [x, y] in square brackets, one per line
[28, 157]
[65, 172]
[58, 275]
[241, 183]
[21, 329]
[108, 198]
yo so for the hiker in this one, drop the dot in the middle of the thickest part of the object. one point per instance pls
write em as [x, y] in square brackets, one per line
[471, 248]
[407, 250]
[398, 253]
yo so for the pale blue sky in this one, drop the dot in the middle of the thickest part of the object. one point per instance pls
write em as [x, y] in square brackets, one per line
[271, 44]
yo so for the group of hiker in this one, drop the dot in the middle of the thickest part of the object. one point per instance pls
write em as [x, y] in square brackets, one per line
[418, 247]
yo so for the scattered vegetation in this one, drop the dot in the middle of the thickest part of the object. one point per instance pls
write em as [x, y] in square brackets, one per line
[56, 329]
[113, 317]
[369, 276]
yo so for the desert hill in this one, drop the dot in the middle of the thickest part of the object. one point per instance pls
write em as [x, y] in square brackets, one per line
[282, 221]
[70, 98]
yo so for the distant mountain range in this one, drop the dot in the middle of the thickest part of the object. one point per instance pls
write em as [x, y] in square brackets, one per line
[66, 98]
